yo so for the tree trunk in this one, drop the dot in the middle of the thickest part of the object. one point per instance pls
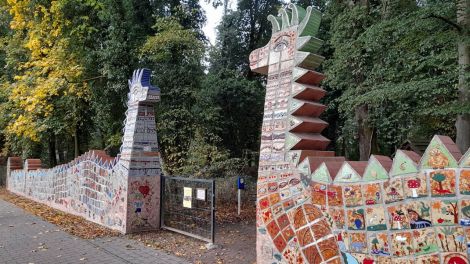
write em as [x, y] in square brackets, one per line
[462, 124]
[75, 144]
[365, 132]
[56, 151]
[52, 154]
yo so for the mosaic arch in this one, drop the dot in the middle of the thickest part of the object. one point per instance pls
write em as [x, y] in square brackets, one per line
[313, 207]
[121, 193]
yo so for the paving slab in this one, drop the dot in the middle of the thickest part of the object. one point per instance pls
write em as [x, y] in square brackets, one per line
[25, 239]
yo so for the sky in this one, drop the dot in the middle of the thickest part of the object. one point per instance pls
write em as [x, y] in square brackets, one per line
[213, 15]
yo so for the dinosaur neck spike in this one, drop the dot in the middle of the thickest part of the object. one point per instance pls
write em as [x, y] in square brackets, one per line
[295, 15]
[274, 23]
[311, 22]
[285, 18]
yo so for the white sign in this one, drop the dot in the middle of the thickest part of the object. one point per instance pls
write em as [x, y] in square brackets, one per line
[187, 197]
[201, 194]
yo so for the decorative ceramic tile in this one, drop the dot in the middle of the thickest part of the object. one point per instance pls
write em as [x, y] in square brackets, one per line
[415, 186]
[382, 259]
[402, 244]
[288, 233]
[358, 258]
[455, 258]
[425, 241]
[372, 193]
[274, 198]
[335, 196]
[406, 260]
[465, 212]
[336, 217]
[321, 229]
[312, 212]
[264, 203]
[328, 248]
[429, 259]
[464, 184]
[304, 236]
[358, 242]
[292, 253]
[267, 216]
[451, 239]
[379, 244]
[312, 255]
[319, 193]
[393, 190]
[437, 156]
[445, 212]
[419, 214]
[397, 217]
[374, 170]
[402, 164]
[298, 217]
[353, 195]
[375, 218]
[356, 219]
[272, 228]
[283, 221]
[344, 242]
[279, 243]
[442, 183]
[467, 236]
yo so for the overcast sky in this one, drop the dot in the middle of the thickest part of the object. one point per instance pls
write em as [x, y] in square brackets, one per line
[213, 18]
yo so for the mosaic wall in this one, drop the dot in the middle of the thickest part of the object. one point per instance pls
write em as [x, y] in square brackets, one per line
[121, 193]
[313, 207]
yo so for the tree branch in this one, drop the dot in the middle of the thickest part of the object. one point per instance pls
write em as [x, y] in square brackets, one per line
[448, 21]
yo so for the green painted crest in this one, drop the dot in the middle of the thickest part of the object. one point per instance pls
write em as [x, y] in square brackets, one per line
[321, 174]
[437, 156]
[465, 161]
[402, 164]
[375, 171]
[347, 174]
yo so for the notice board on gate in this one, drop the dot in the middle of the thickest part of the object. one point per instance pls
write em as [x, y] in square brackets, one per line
[187, 197]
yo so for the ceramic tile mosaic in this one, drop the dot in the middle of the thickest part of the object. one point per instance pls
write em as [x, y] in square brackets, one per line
[121, 193]
[409, 209]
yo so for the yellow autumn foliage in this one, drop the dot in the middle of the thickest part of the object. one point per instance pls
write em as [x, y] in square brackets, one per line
[52, 72]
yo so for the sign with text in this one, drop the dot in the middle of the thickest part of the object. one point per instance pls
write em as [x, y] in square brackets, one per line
[201, 194]
[187, 197]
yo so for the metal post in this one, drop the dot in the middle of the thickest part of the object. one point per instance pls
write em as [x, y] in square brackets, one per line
[162, 195]
[213, 213]
[239, 200]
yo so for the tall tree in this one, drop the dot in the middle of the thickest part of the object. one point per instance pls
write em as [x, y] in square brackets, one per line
[241, 32]
[397, 70]
[49, 91]
[463, 119]
[175, 53]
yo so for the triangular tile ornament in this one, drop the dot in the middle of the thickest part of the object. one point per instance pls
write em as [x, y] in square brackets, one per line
[377, 168]
[404, 162]
[304, 167]
[465, 160]
[321, 174]
[347, 172]
[441, 153]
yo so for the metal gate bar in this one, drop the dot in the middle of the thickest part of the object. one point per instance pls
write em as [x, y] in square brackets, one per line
[197, 221]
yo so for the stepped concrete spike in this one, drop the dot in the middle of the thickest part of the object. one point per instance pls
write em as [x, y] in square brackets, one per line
[307, 92]
[307, 60]
[304, 76]
[304, 141]
[309, 44]
[306, 108]
[304, 124]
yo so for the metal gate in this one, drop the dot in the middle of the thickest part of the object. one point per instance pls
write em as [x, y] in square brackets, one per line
[188, 207]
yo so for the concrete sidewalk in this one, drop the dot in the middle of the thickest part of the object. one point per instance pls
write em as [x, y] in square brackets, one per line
[25, 238]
